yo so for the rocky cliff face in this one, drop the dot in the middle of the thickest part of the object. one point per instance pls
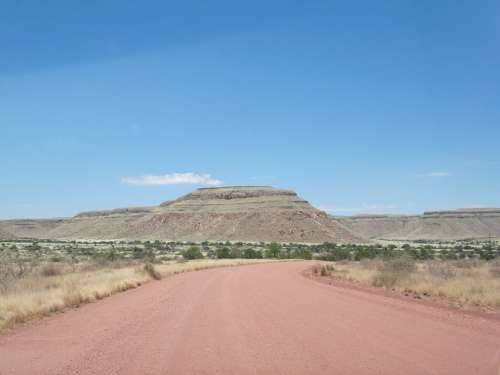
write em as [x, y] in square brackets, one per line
[435, 225]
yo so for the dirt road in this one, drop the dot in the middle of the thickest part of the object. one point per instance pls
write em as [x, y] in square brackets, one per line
[259, 319]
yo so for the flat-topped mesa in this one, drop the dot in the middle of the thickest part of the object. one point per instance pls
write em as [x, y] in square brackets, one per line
[244, 213]
[464, 223]
[463, 212]
[237, 192]
[236, 199]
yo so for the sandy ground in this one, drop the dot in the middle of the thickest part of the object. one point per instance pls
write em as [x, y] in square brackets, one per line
[258, 319]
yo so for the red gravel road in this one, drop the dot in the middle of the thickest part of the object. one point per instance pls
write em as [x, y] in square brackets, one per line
[259, 319]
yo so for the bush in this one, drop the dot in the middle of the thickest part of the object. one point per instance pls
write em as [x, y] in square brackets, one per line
[193, 252]
[223, 253]
[487, 254]
[236, 253]
[51, 269]
[12, 268]
[273, 250]
[150, 269]
[324, 272]
[364, 253]
[146, 253]
[323, 269]
[327, 270]
[252, 254]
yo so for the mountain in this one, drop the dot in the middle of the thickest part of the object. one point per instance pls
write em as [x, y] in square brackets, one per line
[467, 223]
[234, 213]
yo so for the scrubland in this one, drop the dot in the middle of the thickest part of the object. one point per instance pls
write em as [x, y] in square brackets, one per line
[464, 282]
[38, 278]
[32, 291]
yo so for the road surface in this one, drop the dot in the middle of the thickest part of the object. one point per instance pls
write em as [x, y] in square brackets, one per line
[258, 319]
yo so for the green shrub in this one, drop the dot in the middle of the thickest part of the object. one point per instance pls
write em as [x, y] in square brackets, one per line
[236, 253]
[364, 253]
[193, 252]
[223, 253]
[273, 250]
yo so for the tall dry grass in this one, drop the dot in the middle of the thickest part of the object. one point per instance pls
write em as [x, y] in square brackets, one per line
[460, 282]
[53, 287]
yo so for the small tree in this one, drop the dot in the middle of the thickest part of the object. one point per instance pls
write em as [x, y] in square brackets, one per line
[223, 253]
[193, 252]
[364, 253]
[273, 250]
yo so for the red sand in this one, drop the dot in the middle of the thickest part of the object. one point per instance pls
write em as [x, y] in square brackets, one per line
[259, 319]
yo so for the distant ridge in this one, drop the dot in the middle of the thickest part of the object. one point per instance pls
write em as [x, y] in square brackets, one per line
[464, 223]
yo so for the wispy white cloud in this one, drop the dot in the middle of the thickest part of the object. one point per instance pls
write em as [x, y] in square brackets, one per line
[173, 179]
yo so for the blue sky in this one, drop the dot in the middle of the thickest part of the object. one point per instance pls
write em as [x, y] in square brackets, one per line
[359, 106]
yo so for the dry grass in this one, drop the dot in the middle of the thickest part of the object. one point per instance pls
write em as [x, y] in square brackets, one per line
[52, 288]
[172, 268]
[474, 283]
